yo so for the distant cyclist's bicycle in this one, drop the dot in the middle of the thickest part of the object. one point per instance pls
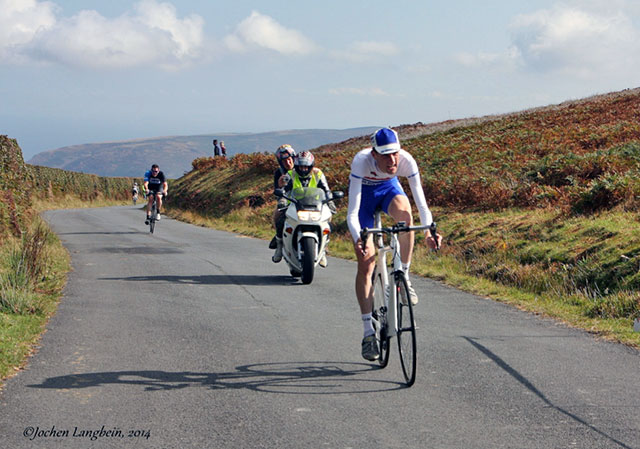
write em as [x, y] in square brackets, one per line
[392, 312]
[135, 198]
[154, 211]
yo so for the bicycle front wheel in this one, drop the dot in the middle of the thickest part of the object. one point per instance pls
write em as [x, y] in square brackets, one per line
[152, 219]
[379, 314]
[406, 330]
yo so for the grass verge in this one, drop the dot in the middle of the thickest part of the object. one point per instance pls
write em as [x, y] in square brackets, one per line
[33, 272]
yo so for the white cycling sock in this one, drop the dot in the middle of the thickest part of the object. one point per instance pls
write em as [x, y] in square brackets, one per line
[368, 324]
[405, 268]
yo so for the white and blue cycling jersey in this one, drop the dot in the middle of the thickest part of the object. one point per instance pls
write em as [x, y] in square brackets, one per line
[370, 188]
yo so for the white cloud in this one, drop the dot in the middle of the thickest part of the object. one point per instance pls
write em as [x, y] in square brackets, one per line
[495, 61]
[20, 21]
[582, 42]
[589, 39]
[151, 35]
[186, 34]
[478, 59]
[365, 92]
[365, 51]
[261, 31]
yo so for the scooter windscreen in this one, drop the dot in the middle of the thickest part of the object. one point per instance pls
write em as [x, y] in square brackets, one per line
[308, 198]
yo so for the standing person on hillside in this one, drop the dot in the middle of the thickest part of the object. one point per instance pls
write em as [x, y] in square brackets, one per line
[156, 185]
[374, 185]
[284, 155]
[223, 149]
[216, 148]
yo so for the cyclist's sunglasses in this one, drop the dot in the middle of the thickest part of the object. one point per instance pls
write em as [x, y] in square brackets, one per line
[285, 156]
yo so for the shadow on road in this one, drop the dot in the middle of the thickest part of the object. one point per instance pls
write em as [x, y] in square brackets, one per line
[529, 386]
[137, 250]
[211, 279]
[99, 233]
[283, 378]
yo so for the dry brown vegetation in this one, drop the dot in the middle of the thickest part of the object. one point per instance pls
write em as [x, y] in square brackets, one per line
[544, 201]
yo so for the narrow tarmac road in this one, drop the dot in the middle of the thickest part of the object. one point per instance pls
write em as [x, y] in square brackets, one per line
[193, 338]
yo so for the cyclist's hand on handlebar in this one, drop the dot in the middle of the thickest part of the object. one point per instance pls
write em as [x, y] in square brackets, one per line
[361, 248]
[433, 243]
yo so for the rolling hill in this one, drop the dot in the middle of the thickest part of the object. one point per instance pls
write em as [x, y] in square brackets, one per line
[175, 153]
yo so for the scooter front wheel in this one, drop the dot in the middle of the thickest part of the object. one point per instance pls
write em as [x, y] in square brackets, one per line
[309, 249]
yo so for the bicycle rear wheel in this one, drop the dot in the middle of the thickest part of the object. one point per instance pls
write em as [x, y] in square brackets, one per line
[406, 330]
[379, 314]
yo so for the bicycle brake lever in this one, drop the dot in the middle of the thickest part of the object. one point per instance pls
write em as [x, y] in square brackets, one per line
[434, 234]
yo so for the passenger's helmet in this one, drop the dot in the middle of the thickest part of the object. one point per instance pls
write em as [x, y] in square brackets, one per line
[303, 164]
[285, 151]
[385, 141]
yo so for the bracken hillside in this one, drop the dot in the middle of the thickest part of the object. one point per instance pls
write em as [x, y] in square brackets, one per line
[580, 156]
[544, 200]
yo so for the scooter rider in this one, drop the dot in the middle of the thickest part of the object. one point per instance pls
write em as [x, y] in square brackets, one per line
[284, 154]
[304, 174]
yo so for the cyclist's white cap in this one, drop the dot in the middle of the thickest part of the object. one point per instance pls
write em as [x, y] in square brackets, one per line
[385, 141]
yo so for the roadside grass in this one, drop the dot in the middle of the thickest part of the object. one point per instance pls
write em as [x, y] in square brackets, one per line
[32, 274]
[73, 202]
[581, 270]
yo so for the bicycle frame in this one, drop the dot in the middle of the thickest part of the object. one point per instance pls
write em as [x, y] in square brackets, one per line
[388, 276]
[153, 212]
[388, 310]
[388, 281]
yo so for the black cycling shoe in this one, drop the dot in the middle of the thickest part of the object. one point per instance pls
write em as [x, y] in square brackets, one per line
[146, 221]
[273, 244]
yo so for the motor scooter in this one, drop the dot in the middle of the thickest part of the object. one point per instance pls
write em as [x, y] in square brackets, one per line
[306, 229]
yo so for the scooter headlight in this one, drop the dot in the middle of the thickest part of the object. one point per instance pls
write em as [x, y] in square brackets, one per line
[309, 215]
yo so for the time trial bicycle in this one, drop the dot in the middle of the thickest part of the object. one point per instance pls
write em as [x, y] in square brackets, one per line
[392, 312]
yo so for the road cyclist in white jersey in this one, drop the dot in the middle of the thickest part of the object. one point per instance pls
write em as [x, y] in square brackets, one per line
[134, 192]
[374, 185]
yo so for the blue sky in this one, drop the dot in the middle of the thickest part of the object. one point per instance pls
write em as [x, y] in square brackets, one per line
[80, 71]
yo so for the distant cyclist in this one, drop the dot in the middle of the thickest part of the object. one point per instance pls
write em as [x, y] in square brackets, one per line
[304, 174]
[284, 155]
[134, 192]
[374, 185]
[156, 185]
